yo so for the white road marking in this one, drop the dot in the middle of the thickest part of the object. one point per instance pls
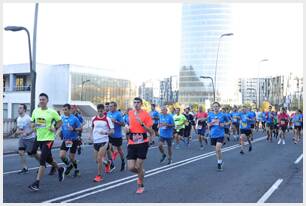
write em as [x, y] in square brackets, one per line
[298, 159]
[33, 168]
[270, 191]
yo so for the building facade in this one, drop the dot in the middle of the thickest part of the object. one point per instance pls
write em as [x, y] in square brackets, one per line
[64, 83]
[202, 28]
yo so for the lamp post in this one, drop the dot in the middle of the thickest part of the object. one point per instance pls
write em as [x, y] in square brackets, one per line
[212, 81]
[83, 82]
[258, 84]
[222, 35]
[33, 72]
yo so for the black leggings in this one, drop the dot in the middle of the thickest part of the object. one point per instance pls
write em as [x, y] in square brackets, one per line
[45, 148]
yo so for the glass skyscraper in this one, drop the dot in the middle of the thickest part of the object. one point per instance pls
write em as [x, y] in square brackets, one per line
[202, 26]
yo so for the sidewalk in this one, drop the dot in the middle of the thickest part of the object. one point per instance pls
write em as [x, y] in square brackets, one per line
[10, 145]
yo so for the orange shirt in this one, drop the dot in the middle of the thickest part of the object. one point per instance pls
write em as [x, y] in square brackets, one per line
[135, 126]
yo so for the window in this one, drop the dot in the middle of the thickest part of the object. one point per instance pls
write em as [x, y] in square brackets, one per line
[20, 83]
[5, 111]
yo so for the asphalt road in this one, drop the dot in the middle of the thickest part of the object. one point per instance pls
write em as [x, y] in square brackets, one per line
[191, 178]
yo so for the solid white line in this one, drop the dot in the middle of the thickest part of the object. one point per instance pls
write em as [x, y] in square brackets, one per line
[33, 168]
[298, 159]
[270, 191]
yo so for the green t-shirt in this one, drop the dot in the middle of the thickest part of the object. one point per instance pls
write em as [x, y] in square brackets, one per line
[43, 122]
[179, 121]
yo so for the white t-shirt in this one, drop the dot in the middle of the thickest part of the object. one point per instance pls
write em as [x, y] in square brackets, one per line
[101, 125]
[24, 124]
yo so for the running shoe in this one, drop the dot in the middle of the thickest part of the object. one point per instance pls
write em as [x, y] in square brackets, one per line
[98, 178]
[61, 174]
[52, 171]
[250, 148]
[220, 168]
[34, 186]
[112, 167]
[162, 158]
[107, 168]
[76, 173]
[284, 142]
[23, 171]
[241, 152]
[140, 190]
[169, 162]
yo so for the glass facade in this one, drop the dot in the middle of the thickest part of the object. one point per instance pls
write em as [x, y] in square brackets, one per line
[202, 26]
[100, 89]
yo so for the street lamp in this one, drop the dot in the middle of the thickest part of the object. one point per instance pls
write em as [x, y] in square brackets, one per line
[33, 73]
[83, 82]
[258, 84]
[212, 81]
[222, 35]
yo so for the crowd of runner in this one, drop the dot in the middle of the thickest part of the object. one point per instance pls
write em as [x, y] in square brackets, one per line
[110, 126]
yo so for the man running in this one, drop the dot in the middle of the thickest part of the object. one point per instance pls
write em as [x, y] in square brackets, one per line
[102, 127]
[252, 116]
[297, 123]
[70, 128]
[235, 116]
[166, 124]
[155, 117]
[216, 122]
[75, 112]
[26, 137]
[188, 126]
[245, 129]
[116, 138]
[138, 141]
[283, 119]
[201, 124]
[269, 117]
[226, 125]
[179, 121]
[42, 118]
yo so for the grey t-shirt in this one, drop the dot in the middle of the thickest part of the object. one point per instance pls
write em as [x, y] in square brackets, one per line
[24, 124]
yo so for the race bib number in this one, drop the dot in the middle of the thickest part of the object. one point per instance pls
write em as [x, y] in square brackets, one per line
[68, 143]
[40, 123]
[138, 138]
[216, 122]
[283, 122]
[199, 127]
[244, 125]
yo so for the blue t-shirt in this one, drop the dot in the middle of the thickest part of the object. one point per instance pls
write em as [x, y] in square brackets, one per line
[117, 128]
[296, 119]
[153, 115]
[227, 119]
[166, 132]
[235, 117]
[80, 118]
[269, 117]
[72, 121]
[245, 123]
[252, 116]
[216, 131]
[126, 119]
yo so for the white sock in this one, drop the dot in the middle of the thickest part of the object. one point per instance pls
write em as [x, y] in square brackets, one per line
[219, 161]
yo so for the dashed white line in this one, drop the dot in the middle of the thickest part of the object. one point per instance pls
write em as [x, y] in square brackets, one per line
[270, 191]
[298, 159]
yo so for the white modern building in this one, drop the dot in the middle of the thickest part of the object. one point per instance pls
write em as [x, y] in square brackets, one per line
[64, 83]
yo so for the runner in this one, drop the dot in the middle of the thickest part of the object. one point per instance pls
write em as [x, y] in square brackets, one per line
[109, 163]
[102, 127]
[166, 124]
[26, 137]
[216, 122]
[283, 119]
[235, 116]
[77, 113]
[188, 125]
[297, 123]
[226, 125]
[70, 128]
[258, 120]
[245, 129]
[179, 121]
[116, 138]
[45, 131]
[252, 116]
[138, 141]
[201, 124]
[269, 123]
[155, 117]
[275, 125]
